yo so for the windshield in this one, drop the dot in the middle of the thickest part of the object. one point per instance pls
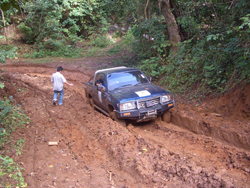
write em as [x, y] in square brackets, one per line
[125, 79]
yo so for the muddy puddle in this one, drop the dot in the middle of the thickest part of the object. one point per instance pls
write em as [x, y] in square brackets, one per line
[198, 149]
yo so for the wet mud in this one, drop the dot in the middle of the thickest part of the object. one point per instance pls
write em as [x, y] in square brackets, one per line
[204, 146]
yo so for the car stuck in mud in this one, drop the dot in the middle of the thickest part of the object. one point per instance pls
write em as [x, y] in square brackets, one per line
[125, 93]
[197, 149]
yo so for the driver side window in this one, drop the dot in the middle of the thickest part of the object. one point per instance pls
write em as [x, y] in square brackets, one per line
[100, 79]
[91, 80]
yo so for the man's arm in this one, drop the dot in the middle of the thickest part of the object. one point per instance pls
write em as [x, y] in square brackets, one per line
[69, 83]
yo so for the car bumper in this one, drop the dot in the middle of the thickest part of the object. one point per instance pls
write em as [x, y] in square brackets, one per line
[144, 114]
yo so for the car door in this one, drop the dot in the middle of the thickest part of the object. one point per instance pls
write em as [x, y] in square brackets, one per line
[99, 95]
[93, 90]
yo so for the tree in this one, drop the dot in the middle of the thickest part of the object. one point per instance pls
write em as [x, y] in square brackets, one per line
[5, 5]
[4, 26]
[172, 26]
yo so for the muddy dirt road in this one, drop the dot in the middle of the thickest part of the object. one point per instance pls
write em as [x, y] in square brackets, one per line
[198, 149]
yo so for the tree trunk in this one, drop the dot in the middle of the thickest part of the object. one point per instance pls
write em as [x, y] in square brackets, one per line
[172, 26]
[4, 27]
[145, 11]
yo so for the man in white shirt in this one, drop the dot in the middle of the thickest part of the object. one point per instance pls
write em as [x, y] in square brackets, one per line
[58, 80]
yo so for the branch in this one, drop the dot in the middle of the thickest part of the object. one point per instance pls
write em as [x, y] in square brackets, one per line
[231, 4]
[4, 27]
[158, 55]
[145, 11]
[200, 33]
[40, 21]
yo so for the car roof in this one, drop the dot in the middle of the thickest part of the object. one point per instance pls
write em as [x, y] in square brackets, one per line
[115, 69]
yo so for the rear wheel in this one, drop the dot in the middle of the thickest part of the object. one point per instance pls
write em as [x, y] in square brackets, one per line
[166, 116]
[120, 121]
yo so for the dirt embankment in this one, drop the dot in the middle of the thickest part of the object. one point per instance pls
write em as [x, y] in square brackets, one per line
[226, 118]
[206, 149]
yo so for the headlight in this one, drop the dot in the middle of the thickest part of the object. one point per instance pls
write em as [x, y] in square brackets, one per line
[127, 106]
[166, 98]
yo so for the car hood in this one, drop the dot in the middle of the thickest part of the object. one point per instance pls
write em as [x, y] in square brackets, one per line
[137, 92]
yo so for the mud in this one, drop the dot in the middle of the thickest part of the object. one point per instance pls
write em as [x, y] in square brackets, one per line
[204, 146]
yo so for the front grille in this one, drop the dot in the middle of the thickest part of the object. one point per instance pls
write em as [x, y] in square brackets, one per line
[148, 103]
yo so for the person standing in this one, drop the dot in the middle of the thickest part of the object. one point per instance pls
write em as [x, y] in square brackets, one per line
[58, 80]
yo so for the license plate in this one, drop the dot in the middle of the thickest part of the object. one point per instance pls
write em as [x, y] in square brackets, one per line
[151, 113]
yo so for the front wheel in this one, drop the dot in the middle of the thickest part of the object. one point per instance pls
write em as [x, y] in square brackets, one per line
[166, 116]
[91, 101]
[120, 121]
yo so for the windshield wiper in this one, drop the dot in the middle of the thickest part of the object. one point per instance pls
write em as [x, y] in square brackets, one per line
[138, 84]
[124, 86]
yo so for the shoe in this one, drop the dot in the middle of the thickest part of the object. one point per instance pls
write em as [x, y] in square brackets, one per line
[54, 102]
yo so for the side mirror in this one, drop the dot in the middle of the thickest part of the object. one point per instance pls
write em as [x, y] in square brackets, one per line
[100, 87]
[150, 78]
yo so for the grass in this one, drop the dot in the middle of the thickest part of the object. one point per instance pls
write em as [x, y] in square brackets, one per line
[94, 52]
[41, 61]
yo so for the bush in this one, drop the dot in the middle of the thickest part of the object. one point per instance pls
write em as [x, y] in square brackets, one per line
[7, 51]
[99, 41]
[54, 48]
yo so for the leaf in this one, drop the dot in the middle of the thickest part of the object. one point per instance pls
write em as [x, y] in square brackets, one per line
[209, 37]
[5, 6]
[6, 110]
[11, 98]
[15, 6]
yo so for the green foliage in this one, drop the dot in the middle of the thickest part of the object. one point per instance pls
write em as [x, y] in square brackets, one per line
[57, 20]
[7, 51]
[43, 21]
[11, 173]
[8, 15]
[99, 41]
[150, 39]
[11, 118]
[64, 51]
[215, 54]
[120, 10]
[5, 5]
[128, 40]
[19, 146]
[115, 49]
[152, 67]
[84, 17]
[94, 51]
[127, 43]
[55, 27]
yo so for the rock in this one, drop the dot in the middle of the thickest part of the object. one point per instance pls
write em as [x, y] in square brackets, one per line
[158, 180]
[130, 127]
[53, 143]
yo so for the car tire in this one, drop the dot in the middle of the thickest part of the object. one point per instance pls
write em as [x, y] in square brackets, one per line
[91, 102]
[166, 116]
[120, 121]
